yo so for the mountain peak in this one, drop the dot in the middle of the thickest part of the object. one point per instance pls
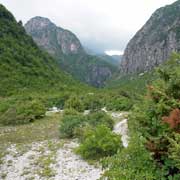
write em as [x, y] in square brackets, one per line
[38, 23]
[54, 39]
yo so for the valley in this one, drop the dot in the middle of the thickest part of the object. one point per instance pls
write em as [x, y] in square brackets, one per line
[35, 151]
[72, 115]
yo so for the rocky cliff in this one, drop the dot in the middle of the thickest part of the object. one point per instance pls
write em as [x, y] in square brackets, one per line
[54, 39]
[154, 42]
[66, 47]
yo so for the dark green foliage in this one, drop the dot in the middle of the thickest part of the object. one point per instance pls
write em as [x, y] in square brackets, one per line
[119, 104]
[70, 112]
[131, 163]
[153, 120]
[73, 122]
[99, 143]
[133, 85]
[87, 68]
[92, 102]
[174, 150]
[98, 118]
[74, 102]
[153, 152]
[28, 72]
[69, 123]
[21, 112]
[23, 66]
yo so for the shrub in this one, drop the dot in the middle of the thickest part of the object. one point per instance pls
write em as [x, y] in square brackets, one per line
[92, 102]
[74, 103]
[174, 150]
[99, 143]
[133, 162]
[100, 117]
[22, 112]
[70, 112]
[69, 123]
[119, 104]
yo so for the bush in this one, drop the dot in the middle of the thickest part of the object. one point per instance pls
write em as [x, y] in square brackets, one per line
[74, 103]
[99, 143]
[157, 120]
[119, 104]
[133, 162]
[21, 112]
[69, 123]
[70, 112]
[100, 117]
[92, 102]
[174, 150]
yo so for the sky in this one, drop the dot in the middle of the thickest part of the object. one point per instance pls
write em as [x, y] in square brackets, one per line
[101, 25]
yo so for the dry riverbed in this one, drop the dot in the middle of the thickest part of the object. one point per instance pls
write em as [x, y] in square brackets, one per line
[35, 152]
[53, 159]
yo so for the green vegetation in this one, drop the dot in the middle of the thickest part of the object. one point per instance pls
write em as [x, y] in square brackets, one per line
[83, 67]
[21, 112]
[134, 162]
[73, 123]
[31, 82]
[97, 118]
[69, 123]
[23, 66]
[74, 103]
[134, 85]
[94, 132]
[155, 123]
[99, 143]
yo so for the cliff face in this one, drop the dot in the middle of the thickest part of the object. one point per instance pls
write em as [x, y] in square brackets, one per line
[66, 47]
[52, 38]
[154, 43]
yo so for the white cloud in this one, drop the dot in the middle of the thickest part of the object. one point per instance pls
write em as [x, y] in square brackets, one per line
[114, 52]
[99, 24]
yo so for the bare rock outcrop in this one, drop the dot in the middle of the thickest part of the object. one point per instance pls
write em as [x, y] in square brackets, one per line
[154, 42]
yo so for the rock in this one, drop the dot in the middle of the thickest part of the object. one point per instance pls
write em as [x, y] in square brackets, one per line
[52, 38]
[67, 165]
[104, 109]
[53, 110]
[154, 42]
[86, 112]
[67, 49]
[122, 129]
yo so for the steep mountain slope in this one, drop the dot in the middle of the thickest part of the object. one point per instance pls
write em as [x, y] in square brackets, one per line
[23, 66]
[66, 47]
[154, 43]
[114, 59]
[55, 40]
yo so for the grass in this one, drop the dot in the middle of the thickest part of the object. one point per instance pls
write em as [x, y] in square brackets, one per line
[24, 135]
[47, 158]
[44, 129]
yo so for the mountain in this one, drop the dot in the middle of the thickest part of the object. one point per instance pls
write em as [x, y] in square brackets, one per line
[54, 39]
[66, 47]
[118, 58]
[23, 66]
[114, 59]
[154, 42]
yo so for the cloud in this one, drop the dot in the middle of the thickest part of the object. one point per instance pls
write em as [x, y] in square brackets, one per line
[99, 24]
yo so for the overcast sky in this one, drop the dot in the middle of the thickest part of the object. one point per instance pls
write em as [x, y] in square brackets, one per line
[104, 25]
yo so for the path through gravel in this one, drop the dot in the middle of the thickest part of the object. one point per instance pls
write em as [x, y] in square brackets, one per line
[64, 164]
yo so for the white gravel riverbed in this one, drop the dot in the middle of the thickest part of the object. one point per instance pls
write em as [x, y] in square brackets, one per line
[67, 165]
